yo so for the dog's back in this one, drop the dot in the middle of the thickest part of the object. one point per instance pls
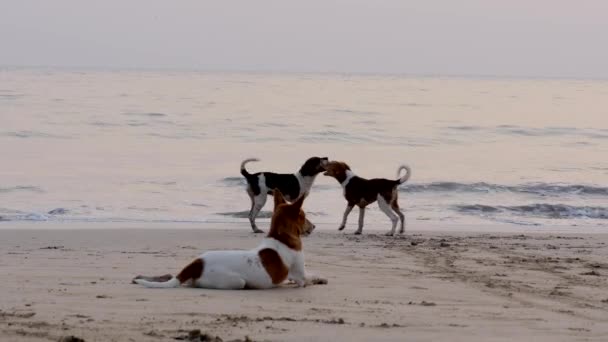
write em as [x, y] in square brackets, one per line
[360, 189]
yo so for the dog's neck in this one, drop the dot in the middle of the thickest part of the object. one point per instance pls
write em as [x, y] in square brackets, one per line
[305, 181]
[349, 175]
[288, 238]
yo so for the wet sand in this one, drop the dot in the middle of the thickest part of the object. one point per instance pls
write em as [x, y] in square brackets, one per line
[425, 286]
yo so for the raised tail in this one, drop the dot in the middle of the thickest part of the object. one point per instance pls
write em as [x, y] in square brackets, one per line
[173, 282]
[244, 170]
[408, 173]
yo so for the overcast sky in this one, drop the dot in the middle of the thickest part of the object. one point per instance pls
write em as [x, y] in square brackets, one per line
[550, 38]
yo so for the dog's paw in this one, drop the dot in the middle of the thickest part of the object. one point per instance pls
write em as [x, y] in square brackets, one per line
[258, 231]
[389, 234]
[358, 232]
[341, 228]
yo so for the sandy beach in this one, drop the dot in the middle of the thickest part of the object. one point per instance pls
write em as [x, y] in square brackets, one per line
[425, 286]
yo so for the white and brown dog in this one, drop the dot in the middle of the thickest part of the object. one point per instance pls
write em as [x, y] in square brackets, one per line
[362, 192]
[277, 258]
[291, 185]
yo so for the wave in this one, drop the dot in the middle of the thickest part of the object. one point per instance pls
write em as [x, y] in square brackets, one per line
[538, 210]
[234, 181]
[21, 188]
[32, 134]
[541, 189]
[514, 130]
[24, 217]
[18, 215]
[151, 114]
[245, 214]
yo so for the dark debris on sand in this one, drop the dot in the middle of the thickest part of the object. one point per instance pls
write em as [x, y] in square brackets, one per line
[196, 335]
[235, 319]
[71, 339]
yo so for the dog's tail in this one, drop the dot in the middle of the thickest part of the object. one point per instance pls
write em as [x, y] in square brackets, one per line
[408, 173]
[244, 170]
[173, 282]
[193, 271]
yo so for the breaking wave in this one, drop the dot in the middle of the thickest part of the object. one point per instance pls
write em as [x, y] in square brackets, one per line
[538, 210]
[542, 189]
[21, 188]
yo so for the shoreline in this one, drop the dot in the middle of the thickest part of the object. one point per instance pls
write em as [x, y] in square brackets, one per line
[426, 286]
[242, 226]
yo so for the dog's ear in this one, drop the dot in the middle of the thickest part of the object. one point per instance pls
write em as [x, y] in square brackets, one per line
[297, 204]
[278, 198]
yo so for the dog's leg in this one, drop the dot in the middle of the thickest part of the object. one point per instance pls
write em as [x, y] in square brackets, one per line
[257, 205]
[252, 198]
[396, 209]
[361, 217]
[387, 210]
[309, 279]
[349, 208]
[297, 274]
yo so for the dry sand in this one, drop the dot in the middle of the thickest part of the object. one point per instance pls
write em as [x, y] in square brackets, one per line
[431, 286]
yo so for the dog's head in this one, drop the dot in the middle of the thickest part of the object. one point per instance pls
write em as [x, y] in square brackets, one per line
[288, 221]
[313, 166]
[337, 170]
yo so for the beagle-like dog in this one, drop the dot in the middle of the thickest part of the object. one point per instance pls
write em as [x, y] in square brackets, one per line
[277, 258]
[362, 192]
[291, 185]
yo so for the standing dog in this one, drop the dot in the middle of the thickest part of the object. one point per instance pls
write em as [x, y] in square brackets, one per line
[277, 258]
[362, 192]
[261, 184]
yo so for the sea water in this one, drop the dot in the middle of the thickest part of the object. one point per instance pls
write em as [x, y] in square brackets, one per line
[165, 146]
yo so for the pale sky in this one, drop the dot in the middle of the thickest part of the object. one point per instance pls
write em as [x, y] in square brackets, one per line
[521, 38]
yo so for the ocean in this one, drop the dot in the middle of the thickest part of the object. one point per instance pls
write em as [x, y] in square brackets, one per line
[165, 146]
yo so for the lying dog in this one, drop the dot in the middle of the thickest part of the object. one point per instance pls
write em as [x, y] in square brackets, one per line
[277, 258]
[362, 192]
[261, 184]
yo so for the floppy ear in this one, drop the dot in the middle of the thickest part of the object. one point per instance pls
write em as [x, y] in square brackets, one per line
[278, 198]
[297, 204]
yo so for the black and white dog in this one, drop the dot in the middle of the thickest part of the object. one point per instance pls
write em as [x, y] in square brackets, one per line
[261, 184]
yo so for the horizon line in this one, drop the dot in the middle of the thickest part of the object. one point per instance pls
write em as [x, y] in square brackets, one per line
[78, 68]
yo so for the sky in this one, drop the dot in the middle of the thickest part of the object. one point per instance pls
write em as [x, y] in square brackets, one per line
[518, 38]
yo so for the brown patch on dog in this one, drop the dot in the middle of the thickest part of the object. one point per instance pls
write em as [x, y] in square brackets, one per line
[337, 170]
[193, 271]
[273, 264]
[288, 221]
